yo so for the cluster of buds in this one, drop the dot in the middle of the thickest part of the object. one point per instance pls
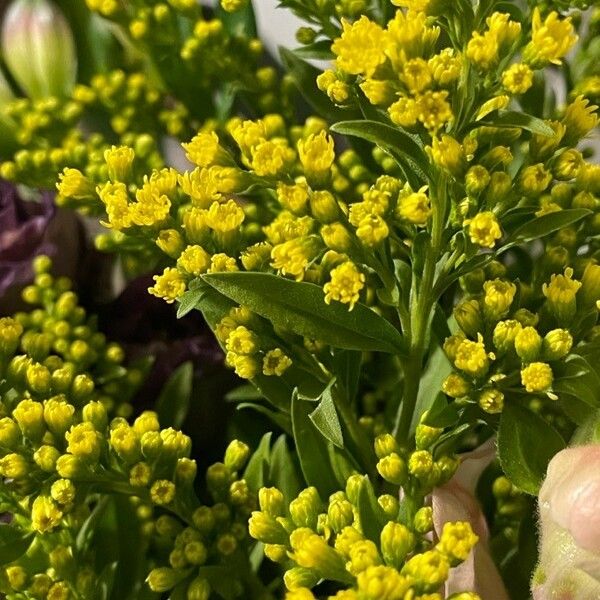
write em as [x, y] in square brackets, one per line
[243, 335]
[48, 138]
[203, 536]
[502, 344]
[387, 553]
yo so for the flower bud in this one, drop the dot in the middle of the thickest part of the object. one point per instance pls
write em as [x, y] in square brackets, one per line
[420, 464]
[468, 317]
[163, 579]
[425, 435]
[236, 455]
[385, 445]
[340, 514]
[561, 296]
[396, 542]
[306, 507]
[528, 344]
[392, 468]
[30, 417]
[265, 528]
[312, 552]
[199, 589]
[423, 521]
[557, 344]
[38, 48]
[590, 285]
[491, 401]
[299, 577]
[271, 501]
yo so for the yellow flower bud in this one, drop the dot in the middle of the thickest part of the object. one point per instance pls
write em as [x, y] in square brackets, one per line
[199, 589]
[58, 415]
[449, 155]
[30, 417]
[423, 521]
[306, 507]
[10, 434]
[492, 401]
[392, 468]
[455, 386]
[468, 317]
[504, 335]
[63, 492]
[484, 229]
[299, 577]
[340, 514]
[498, 297]
[561, 296]
[163, 579]
[420, 464]
[84, 442]
[345, 284]
[557, 344]
[45, 515]
[312, 552]
[537, 377]
[471, 357]
[396, 542]
[456, 541]
[162, 492]
[275, 362]
[265, 528]
[528, 344]
[363, 554]
[385, 445]
[13, 466]
[429, 570]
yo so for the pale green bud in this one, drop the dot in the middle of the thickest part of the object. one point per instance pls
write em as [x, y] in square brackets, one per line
[396, 542]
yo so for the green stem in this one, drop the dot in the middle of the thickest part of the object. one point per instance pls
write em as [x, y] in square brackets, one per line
[422, 302]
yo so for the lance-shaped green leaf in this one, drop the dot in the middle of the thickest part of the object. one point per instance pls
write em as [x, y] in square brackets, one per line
[312, 449]
[14, 542]
[403, 147]
[301, 309]
[372, 517]
[509, 118]
[325, 417]
[526, 444]
[545, 224]
[174, 401]
[320, 50]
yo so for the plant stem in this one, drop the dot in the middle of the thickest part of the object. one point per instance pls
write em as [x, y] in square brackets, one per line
[422, 302]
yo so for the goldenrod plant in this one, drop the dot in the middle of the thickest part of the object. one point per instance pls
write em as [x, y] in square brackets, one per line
[400, 261]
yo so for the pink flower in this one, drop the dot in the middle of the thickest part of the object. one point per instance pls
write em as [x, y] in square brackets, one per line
[456, 501]
[569, 565]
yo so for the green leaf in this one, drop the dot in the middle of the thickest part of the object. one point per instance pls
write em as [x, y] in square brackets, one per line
[105, 582]
[304, 75]
[284, 470]
[438, 367]
[189, 301]
[280, 419]
[174, 401]
[320, 50]
[545, 224]
[509, 118]
[400, 144]
[325, 418]
[372, 517]
[442, 414]
[526, 444]
[312, 449]
[300, 308]
[257, 467]
[14, 542]
[225, 581]
[243, 393]
[347, 367]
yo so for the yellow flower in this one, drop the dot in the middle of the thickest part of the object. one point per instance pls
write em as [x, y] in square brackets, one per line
[557, 344]
[169, 286]
[471, 357]
[84, 441]
[457, 541]
[225, 217]
[204, 149]
[429, 570]
[455, 386]
[170, 242]
[434, 109]
[536, 377]
[336, 237]
[416, 75]
[492, 401]
[119, 161]
[242, 341]
[45, 515]
[580, 118]
[194, 260]
[378, 92]
[561, 295]
[372, 230]
[115, 198]
[449, 154]
[272, 158]
[233, 5]
[345, 284]
[484, 229]
[482, 50]
[445, 67]
[551, 39]
[222, 263]
[415, 207]
[162, 492]
[404, 112]
[275, 362]
[535, 179]
[316, 154]
[311, 551]
[518, 78]
[292, 257]
[360, 49]
[293, 197]
[74, 185]
[497, 298]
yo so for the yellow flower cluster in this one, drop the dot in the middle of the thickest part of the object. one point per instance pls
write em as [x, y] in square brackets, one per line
[326, 541]
[243, 346]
